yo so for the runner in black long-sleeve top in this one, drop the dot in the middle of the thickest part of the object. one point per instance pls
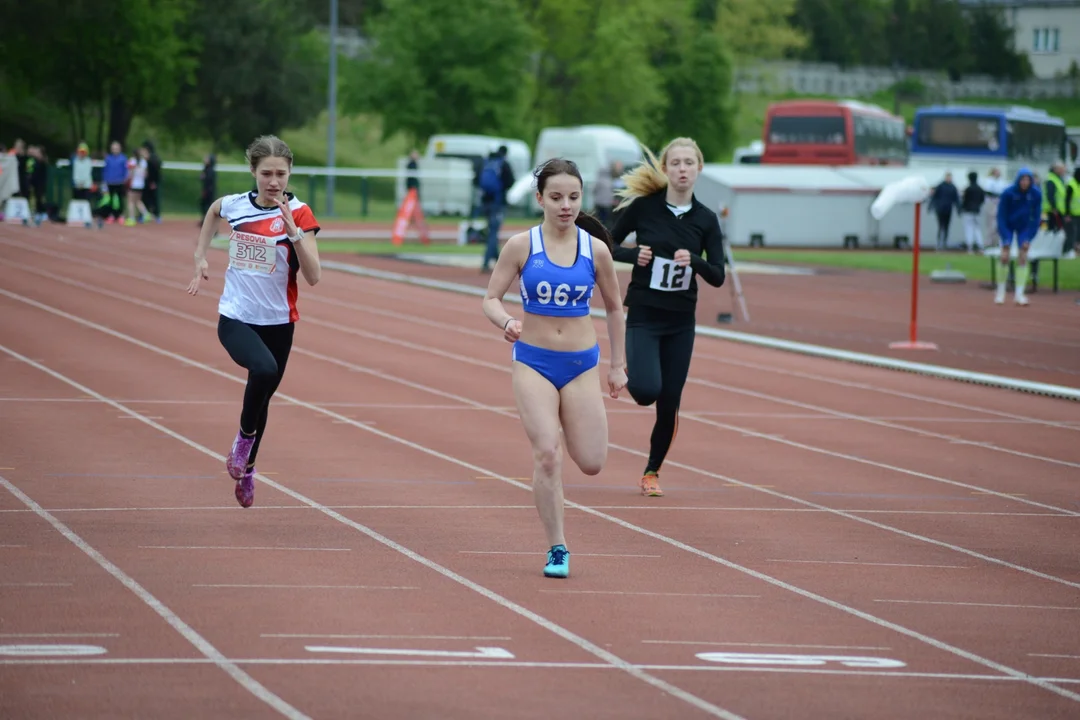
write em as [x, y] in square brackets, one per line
[678, 240]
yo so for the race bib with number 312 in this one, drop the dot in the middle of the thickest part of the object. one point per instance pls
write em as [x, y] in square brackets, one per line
[668, 276]
[252, 252]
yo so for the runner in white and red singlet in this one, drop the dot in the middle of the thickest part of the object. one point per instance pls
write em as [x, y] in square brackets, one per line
[273, 239]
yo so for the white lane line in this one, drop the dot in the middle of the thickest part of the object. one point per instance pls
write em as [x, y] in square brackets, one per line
[645, 508]
[34, 584]
[654, 594]
[507, 604]
[59, 635]
[882, 465]
[162, 401]
[306, 587]
[581, 642]
[302, 636]
[202, 644]
[769, 645]
[879, 423]
[503, 664]
[534, 553]
[976, 604]
[239, 547]
[871, 564]
[887, 391]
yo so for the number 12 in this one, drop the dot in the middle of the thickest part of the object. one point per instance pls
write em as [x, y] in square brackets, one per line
[671, 278]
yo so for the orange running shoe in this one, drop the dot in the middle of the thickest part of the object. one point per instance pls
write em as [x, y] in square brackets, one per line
[650, 486]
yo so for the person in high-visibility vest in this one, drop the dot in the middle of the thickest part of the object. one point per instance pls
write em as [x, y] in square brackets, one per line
[1072, 212]
[1053, 206]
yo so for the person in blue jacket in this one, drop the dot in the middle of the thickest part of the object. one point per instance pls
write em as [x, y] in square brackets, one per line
[1018, 215]
[114, 177]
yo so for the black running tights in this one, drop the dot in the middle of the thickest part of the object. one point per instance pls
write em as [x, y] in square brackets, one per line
[262, 350]
[659, 345]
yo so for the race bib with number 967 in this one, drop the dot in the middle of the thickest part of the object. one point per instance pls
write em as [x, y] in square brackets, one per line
[668, 276]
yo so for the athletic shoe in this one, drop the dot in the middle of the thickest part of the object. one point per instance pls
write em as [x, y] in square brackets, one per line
[245, 489]
[237, 461]
[558, 562]
[650, 486]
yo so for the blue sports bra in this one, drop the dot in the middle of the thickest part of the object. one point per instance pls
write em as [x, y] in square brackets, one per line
[550, 289]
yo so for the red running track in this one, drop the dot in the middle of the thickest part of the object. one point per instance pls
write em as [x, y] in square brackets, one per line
[835, 541]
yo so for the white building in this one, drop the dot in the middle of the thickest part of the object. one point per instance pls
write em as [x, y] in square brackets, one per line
[1047, 30]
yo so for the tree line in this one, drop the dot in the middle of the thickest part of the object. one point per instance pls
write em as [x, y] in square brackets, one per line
[204, 69]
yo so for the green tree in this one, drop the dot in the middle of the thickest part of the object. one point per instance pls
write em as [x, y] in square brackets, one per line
[845, 32]
[114, 59]
[756, 29]
[351, 13]
[595, 64]
[697, 84]
[268, 78]
[991, 45]
[946, 31]
[443, 67]
[656, 70]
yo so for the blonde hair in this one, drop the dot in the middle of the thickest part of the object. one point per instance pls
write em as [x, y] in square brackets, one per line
[649, 177]
[266, 146]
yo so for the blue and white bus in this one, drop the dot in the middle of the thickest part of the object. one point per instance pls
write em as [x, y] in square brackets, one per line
[961, 138]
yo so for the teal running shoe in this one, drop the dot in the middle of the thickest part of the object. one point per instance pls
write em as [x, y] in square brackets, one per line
[558, 562]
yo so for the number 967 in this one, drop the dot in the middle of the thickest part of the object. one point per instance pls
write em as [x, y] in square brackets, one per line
[561, 294]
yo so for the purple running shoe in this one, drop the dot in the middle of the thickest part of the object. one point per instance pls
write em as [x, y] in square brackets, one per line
[245, 489]
[238, 456]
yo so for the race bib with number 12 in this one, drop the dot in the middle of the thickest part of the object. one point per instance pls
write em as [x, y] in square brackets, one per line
[668, 276]
[252, 252]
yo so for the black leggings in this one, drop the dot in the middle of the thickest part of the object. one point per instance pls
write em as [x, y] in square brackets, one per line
[659, 344]
[262, 350]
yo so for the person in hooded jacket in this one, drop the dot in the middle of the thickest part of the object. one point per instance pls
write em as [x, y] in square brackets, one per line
[1018, 216]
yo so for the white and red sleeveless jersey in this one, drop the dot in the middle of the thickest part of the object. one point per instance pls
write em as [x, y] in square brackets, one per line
[260, 282]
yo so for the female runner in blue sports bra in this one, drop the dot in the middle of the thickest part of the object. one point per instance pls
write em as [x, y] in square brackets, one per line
[556, 354]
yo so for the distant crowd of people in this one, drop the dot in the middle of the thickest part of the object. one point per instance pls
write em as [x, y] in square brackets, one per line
[977, 206]
[1017, 212]
[124, 190]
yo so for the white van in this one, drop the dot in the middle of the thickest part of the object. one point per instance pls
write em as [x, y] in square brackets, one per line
[590, 147]
[749, 154]
[476, 149]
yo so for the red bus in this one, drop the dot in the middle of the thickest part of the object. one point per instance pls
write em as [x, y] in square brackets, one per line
[833, 132]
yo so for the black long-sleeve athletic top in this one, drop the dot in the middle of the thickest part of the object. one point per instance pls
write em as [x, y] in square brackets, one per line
[661, 283]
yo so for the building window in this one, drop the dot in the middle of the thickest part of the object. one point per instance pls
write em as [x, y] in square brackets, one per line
[1046, 40]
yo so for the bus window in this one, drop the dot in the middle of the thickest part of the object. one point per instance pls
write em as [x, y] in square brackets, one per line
[792, 130]
[970, 133]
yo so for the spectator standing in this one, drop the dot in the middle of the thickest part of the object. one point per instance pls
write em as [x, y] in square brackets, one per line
[944, 199]
[114, 176]
[971, 208]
